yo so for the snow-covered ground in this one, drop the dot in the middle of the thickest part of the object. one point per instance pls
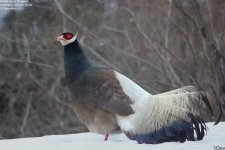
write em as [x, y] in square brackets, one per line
[214, 140]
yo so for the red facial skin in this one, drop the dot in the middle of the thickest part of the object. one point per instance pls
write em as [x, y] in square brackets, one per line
[67, 36]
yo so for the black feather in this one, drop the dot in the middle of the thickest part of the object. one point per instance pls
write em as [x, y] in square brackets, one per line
[75, 61]
[206, 101]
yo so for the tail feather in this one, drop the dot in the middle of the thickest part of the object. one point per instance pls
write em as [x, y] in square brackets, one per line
[194, 101]
[173, 116]
[180, 130]
[205, 99]
[185, 89]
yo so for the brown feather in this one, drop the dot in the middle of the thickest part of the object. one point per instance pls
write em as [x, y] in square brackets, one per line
[98, 96]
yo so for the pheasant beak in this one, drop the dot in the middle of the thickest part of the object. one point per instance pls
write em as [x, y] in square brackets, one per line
[59, 38]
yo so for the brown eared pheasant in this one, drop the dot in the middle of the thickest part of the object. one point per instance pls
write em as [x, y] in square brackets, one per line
[106, 101]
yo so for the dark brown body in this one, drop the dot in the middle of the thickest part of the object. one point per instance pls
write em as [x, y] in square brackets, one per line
[97, 94]
[91, 92]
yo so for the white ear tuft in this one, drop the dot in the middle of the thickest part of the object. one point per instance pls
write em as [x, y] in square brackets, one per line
[76, 35]
[66, 42]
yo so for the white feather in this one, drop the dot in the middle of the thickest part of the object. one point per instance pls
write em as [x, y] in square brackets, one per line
[137, 94]
[125, 123]
[156, 111]
[130, 88]
[66, 42]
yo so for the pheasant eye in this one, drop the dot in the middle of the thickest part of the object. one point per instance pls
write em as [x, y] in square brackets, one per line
[67, 36]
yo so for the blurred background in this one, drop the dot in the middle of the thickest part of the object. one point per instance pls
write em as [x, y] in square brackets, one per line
[160, 44]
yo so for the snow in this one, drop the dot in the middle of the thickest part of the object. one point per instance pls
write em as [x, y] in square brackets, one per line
[215, 139]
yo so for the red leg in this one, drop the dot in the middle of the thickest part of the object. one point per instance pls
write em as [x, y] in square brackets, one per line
[106, 136]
